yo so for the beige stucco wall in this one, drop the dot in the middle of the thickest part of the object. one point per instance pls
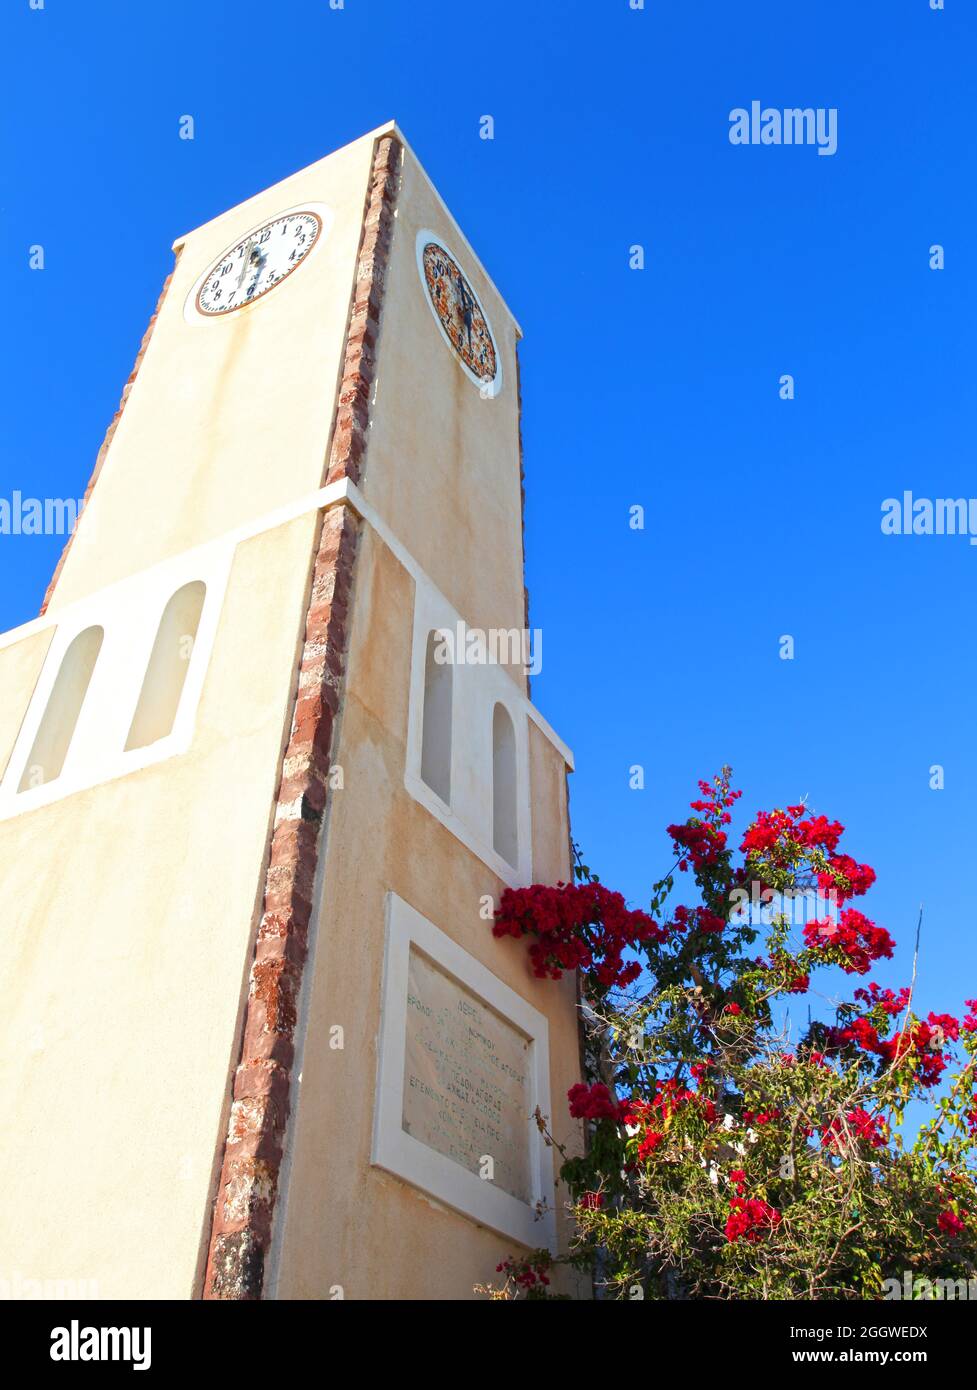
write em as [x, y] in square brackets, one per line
[443, 464]
[347, 1223]
[128, 912]
[228, 418]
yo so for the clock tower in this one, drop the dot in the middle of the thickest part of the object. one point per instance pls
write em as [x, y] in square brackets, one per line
[256, 809]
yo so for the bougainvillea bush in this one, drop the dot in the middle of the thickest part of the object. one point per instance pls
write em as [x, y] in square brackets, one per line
[727, 1155]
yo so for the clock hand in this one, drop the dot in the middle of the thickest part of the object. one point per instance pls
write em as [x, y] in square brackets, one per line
[259, 259]
[244, 266]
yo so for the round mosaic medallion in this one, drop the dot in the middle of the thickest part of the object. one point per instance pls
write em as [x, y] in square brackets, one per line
[458, 311]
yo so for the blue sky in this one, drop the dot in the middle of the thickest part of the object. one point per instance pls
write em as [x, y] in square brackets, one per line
[658, 387]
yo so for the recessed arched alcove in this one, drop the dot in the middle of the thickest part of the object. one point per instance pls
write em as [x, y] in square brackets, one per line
[436, 731]
[166, 673]
[57, 726]
[505, 828]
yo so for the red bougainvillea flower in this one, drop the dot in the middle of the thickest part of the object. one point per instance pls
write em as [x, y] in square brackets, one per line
[971, 1118]
[857, 939]
[577, 926]
[926, 1043]
[876, 997]
[817, 832]
[943, 1026]
[697, 843]
[788, 838]
[593, 1103]
[846, 878]
[750, 1219]
[649, 1144]
[950, 1223]
[700, 842]
[696, 919]
[768, 832]
[649, 1119]
[717, 797]
[868, 1128]
[862, 1033]
[671, 1097]
[526, 1273]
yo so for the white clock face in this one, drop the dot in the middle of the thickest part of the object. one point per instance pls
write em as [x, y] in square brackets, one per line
[258, 262]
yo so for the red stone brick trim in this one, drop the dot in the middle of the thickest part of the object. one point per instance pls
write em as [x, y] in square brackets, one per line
[109, 435]
[248, 1185]
[522, 507]
[262, 1083]
[353, 413]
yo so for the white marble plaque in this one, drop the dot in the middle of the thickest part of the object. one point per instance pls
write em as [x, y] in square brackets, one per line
[463, 1064]
[466, 1083]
